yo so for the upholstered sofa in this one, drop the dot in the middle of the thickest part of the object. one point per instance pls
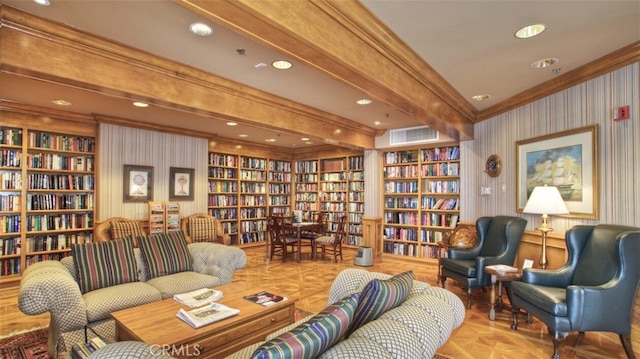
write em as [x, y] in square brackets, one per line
[414, 329]
[64, 289]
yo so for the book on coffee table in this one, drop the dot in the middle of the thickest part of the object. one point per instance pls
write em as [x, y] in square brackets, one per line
[206, 315]
[265, 298]
[198, 298]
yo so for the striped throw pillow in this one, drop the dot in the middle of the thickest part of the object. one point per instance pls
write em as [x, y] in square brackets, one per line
[202, 229]
[313, 337]
[122, 229]
[165, 253]
[378, 296]
[104, 264]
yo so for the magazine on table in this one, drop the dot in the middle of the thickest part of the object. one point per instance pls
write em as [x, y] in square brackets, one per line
[265, 298]
[199, 297]
[206, 315]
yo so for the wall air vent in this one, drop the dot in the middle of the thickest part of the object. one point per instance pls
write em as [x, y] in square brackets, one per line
[412, 135]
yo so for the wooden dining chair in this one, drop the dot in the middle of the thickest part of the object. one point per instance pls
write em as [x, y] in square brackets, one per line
[278, 242]
[333, 243]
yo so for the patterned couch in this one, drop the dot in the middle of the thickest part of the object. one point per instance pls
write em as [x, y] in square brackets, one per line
[78, 302]
[414, 327]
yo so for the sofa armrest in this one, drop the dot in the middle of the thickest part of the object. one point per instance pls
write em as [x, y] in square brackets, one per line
[217, 260]
[49, 287]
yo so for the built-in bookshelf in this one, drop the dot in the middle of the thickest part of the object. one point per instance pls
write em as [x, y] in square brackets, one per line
[355, 205]
[333, 191]
[253, 199]
[46, 194]
[421, 199]
[223, 192]
[307, 187]
[280, 187]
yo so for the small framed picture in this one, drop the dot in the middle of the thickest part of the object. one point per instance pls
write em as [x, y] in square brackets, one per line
[138, 183]
[181, 184]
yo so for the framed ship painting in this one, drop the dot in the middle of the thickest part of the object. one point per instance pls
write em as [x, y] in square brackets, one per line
[567, 160]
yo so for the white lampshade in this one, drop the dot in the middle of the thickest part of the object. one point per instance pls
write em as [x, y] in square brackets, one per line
[546, 200]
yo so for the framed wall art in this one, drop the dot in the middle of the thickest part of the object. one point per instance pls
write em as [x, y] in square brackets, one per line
[567, 160]
[138, 183]
[181, 184]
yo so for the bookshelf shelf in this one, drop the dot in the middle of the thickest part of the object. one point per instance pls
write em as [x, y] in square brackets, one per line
[47, 184]
[421, 199]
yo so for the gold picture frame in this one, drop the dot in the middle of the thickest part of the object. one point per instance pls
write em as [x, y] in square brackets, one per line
[181, 184]
[138, 183]
[567, 160]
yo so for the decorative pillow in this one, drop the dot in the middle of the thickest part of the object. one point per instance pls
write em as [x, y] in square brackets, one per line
[122, 229]
[104, 264]
[202, 229]
[378, 296]
[165, 253]
[313, 337]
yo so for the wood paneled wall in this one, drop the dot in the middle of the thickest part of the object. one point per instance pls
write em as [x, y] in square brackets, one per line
[120, 145]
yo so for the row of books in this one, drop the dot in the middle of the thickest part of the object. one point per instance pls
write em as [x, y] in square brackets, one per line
[10, 136]
[48, 222]
[36, 202]
[219, 159]
[57, 162]
[10, 158]
[61, 142]
[10, 202]
[61, 182]
[11, 180]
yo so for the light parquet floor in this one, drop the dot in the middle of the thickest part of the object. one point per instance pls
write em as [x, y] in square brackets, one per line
[309, 281]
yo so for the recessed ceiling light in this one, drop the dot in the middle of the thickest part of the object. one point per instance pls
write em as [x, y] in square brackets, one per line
[140, 104]
[270, 140]
[309, 143]
[200, 29]
[42, 2]
[530, 31]
[304, 139]
[61, 102]
[364, 101]
[282, 64]
[377, 123]
[243, 135]
[480, 97]
[540, 64]
[231, 123]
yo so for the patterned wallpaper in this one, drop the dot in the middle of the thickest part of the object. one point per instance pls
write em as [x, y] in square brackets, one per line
[587, 104]
[133, 146]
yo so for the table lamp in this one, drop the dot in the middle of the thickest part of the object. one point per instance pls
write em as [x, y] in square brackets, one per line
[545, 200]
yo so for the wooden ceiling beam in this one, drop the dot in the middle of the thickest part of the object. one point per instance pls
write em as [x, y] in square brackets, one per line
[345, 41]
[48, 51]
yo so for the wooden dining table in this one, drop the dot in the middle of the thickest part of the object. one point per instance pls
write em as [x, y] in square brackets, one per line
[298, 228]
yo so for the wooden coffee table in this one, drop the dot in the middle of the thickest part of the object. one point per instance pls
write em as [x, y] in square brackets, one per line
[156, 323]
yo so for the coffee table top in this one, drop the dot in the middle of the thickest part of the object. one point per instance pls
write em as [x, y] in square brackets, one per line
[156, 323]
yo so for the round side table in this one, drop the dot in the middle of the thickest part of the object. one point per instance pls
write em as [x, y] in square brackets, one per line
[499, 277]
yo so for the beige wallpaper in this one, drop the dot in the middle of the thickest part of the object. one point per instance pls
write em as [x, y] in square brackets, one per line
[125, 145]
[587, 104]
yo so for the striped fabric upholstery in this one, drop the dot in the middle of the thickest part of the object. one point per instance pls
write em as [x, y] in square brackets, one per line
[104, 264]
[165, 253]
[122, 229]
[378, 296]
[313, 337]
[202, 229]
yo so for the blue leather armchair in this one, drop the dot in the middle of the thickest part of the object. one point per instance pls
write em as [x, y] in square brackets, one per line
[498, 241]
[593, 291]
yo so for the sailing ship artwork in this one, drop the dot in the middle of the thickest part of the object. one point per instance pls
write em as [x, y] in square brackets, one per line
[560, 167]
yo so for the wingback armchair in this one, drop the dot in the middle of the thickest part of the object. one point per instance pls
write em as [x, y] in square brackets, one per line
[498, 241]
[593, 291]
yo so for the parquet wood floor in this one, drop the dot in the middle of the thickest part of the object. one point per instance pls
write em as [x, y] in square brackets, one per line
[477, 338]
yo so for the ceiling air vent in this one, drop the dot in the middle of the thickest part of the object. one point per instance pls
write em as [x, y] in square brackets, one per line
[411, 135]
